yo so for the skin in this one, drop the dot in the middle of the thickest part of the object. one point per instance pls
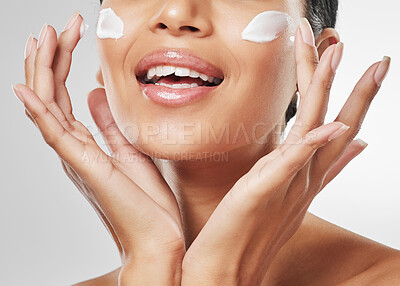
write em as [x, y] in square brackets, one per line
[265, 187]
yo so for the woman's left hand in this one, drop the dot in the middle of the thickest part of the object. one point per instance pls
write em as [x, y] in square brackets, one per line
[268, 204]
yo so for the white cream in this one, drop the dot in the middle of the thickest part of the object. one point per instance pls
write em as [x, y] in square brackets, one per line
[109, 25]
[267, 26]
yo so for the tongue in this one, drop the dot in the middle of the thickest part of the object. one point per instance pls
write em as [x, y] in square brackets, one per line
[173, 79]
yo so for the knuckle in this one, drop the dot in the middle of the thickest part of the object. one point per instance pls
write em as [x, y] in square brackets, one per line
[355, 130]
[58, 80]
[310, 141]
[50, 140]
[322, 83]
[326, 84]
[313, 59]
[290, 165]
[310, 58]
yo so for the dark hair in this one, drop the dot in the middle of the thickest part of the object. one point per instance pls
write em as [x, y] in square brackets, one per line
[321, 14]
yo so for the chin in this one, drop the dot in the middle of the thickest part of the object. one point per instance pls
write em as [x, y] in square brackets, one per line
[185, 152]
[172, 148]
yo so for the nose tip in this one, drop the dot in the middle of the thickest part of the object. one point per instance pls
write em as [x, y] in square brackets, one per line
[182, 17]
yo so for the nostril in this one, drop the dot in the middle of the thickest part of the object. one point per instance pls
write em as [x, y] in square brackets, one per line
[190, 28]
[162, 26]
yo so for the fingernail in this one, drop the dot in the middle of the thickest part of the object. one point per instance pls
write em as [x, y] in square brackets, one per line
[17, 93]
[71, 21]
[83, 28]
[362, 143]
[306, 32]
[42, 36]
[28, 46]
[339, 132]
[382, 70]
[337, 56]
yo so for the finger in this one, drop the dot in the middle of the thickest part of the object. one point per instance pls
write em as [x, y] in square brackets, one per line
[352, 151]
[100, 111]
[313, 108]
[293, 159]
[300, 193]
[352, 114]
[30, 54]
[67, 42]
[99, 77]
[43, 78]
[52, 131]
[306, 56]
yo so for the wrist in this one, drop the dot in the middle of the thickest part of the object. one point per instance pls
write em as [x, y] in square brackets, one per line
[217, 271]
[157, 271]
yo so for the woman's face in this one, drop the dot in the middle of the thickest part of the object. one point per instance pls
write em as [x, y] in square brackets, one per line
[259, 80]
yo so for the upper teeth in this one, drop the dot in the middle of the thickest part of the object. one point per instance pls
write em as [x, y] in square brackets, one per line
[160, 71]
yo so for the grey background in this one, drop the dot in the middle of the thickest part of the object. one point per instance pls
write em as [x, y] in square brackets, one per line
[51, 236]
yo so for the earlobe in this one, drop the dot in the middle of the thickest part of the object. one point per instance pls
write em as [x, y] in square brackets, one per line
[99, 77]
[327, 37]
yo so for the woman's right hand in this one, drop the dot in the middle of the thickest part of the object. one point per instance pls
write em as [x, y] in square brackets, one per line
[130, 196]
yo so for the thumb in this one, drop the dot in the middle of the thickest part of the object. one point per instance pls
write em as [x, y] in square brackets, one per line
[101, 114]
[99, 77]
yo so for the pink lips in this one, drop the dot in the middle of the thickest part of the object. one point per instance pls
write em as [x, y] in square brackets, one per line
[178, 58]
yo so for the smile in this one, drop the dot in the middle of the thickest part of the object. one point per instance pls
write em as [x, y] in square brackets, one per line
[176, 77]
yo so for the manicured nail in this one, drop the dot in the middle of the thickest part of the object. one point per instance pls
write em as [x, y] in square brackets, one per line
[83, 28]
[337, 56]
[17, 93]
[42, 36]
[71, 21]
[28, 46]
[339, 132]
[382, 70]
[362, 143]
[306, 32]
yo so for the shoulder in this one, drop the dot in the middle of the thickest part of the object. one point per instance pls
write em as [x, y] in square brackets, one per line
[109, 279]
[322, 253]
[364, 261]
[383, 272]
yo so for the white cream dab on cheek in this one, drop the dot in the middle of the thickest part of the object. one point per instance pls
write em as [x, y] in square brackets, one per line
[267, 26]
[109, 25]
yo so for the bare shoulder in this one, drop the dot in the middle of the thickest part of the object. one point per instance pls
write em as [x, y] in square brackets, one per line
[322, 253]
[385, 272]
[109, 279]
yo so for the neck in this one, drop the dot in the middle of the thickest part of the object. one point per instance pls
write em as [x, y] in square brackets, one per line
[200, 185]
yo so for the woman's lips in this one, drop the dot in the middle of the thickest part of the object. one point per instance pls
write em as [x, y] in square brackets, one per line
[174, 96]
[174, 90]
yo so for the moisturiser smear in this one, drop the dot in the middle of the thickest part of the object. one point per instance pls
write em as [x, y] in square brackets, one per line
[267, 26]
[109, 25]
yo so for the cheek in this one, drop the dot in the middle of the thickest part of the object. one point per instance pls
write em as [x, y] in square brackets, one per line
[115, 58]
[264, 83]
